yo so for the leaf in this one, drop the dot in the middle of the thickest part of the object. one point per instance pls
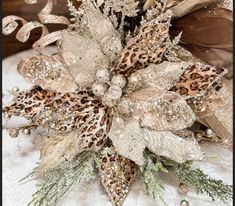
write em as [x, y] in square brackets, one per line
[198, 26]
[83, 56]
[117, 173]
[162, 76]
[48, 72]
[98, 27]
[79, 111]
[197, 79]
[157, 110]
[57, 148]
[130, 133]
[164, 143]
[147, 47]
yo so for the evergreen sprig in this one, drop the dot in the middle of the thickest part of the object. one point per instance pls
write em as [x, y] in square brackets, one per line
[153, 184]
[61, 179]
[215, 189]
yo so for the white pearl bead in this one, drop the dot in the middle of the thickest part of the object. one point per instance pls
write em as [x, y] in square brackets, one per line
[119, 80]
[15, 90]
[102, 75]
[209, 132]
[26, 131]
[99, 89]
[114, 92]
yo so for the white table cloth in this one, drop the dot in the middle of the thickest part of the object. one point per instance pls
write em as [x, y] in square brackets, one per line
[20, 156]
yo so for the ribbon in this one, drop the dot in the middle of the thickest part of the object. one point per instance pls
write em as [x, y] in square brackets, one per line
[205, 32]
[45, 15]
[10, 23]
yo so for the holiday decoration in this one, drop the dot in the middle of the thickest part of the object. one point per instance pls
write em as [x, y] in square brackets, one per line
[123, 98]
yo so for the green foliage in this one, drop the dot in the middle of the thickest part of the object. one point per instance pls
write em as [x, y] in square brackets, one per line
[61, 179]
[153, 184]
[215, 189]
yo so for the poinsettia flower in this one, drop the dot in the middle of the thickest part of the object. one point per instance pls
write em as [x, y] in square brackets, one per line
[101, 76]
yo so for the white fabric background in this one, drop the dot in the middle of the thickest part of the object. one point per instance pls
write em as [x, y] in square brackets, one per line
[20, 156]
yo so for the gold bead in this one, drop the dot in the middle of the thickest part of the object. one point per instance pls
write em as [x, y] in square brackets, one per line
[184, 203]
[183, 189]
[7, 116]
[13, 133]
[199, 136]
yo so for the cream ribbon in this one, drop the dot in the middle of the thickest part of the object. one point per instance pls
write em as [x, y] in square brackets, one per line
[45, 15]
[9, 25]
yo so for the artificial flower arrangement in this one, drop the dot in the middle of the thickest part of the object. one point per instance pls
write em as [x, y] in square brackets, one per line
[121, 99]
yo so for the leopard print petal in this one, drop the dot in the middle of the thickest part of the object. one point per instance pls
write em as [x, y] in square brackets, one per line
[93, 134]
[77, 111]
[147, 47]
[197, 79]
[117, 173]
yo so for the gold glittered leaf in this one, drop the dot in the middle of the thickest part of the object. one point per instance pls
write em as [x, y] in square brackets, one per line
[156, 110]
[48, 72]
[117, 173]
